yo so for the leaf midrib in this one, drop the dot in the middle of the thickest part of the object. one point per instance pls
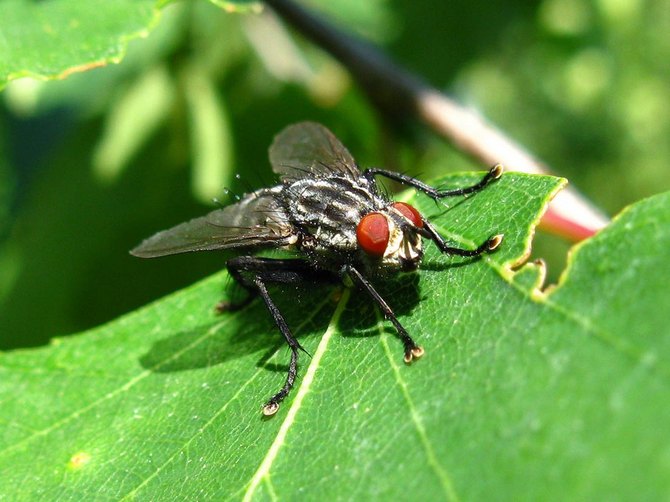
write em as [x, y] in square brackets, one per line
[431, 457]
[263, 471]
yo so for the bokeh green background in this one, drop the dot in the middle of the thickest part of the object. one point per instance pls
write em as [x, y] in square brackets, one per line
[92, 164]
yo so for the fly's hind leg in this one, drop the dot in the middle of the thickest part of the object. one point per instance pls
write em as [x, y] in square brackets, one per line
[272, 270]
[272, 405]
[235, 268]
[253, 273]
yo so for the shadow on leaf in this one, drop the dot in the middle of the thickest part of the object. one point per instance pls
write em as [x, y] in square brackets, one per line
[243, 332]
[441, 264]
[401, 293]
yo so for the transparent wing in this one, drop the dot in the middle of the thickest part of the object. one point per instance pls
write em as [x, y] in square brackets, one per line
[257, 220]
[309, 149]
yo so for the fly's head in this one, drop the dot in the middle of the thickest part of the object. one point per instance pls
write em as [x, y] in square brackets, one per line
[392, 236]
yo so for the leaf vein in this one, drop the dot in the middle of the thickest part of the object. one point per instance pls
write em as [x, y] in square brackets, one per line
[209, 422]
[125, 387]
[440, 471]
[305, 385]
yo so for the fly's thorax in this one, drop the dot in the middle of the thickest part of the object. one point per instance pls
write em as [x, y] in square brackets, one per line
[342, 220]
[328, 210]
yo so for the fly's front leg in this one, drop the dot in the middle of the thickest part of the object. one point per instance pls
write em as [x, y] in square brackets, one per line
[412, 350]
[494, 173]
[488, 246]
[428, 230]
[253, 273]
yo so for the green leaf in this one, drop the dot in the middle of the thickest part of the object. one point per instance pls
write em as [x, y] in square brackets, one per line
[520, 394]
[52, 39]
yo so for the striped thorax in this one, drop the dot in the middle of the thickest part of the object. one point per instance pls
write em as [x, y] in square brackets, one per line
[337, 217]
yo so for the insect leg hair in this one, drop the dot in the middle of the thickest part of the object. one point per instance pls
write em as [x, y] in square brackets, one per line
[253, 273]
[494, 173]
[412, 350]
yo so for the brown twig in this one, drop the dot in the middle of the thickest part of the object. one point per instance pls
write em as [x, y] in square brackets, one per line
[398, 93]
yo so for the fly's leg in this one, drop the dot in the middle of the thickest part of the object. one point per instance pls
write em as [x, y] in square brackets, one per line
[491, 244]
[283, 271]
[428, 230]
[253, 273]
[494, 173]
[271, 407]
[412, 350]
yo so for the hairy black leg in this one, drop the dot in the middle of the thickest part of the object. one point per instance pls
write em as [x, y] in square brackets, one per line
[253, 273]
[487, 246]
[272, 405]
[494, 173]
[412, 350]
[428, 230]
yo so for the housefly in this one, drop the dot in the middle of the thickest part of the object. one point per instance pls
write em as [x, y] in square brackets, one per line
[333, 216]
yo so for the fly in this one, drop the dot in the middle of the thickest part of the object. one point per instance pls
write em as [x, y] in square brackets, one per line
[330, 213]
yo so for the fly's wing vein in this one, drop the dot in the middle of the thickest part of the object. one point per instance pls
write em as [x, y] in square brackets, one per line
[309, 149]
[256, 220]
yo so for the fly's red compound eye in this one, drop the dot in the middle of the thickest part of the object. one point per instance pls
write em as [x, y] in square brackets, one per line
[409, 212]
[372, 233]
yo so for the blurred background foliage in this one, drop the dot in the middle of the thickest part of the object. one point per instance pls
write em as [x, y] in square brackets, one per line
[92, 164]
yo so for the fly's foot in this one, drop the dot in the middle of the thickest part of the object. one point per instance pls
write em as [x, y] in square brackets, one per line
[270, 408]
[496, 172]
[223, 306]
[493, 243]
[411, 353]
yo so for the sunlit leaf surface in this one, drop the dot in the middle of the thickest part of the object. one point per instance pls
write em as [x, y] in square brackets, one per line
[519, 395]
[51, 39]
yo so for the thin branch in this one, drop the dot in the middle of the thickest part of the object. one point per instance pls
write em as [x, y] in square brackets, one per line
[395, 92]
